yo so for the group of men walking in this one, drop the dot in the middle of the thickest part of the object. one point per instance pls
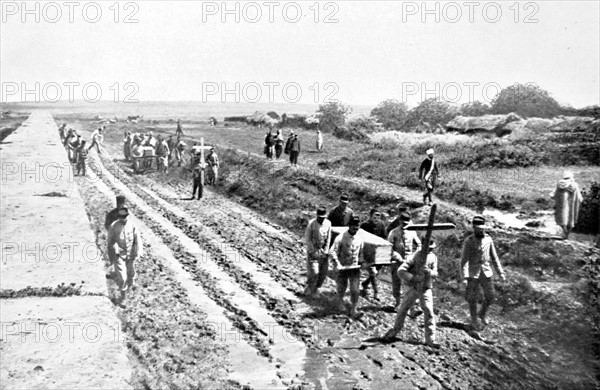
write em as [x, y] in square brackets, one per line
[77, 150]
[274, 146]
[408, 265]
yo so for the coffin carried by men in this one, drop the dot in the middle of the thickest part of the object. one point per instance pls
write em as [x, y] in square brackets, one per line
[377, 251]
[148, 151]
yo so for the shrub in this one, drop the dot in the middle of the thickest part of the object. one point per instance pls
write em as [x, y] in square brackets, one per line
[589, 213]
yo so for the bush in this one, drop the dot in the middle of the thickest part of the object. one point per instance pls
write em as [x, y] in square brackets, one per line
[332, 116]
[354, 134]
[589, 213]
[496, 155]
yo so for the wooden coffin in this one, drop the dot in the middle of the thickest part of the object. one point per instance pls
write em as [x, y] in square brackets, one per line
[377, 250]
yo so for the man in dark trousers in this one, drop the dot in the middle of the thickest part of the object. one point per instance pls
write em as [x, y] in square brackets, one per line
[377, 227]
[288, 143]
[428, 172]
[197, 180]
[341, 214]
[478, 257]
[294, 150]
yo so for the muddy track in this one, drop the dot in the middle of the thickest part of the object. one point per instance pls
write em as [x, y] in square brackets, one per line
[167, 336]
[333, 328]
[248, 326]
[342, 351]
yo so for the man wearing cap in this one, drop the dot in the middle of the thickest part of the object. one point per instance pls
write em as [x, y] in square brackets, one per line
[418, 272]
[404, 244]
[478, 257]
[398, 221]
[124, 246]
[341, 214]
[376, 227]
[347, 254]
[428, 172]
[113, 214]
[317, 238]
[212, 160]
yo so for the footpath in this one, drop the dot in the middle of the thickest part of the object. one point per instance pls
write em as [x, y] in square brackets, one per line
[58, 329]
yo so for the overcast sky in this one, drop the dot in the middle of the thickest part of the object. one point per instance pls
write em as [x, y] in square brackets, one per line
[368, 52]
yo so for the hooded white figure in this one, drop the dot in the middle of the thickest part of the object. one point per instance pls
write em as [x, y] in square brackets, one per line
[567, 200]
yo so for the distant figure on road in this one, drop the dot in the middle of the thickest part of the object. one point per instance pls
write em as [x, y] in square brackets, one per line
[269, 144]
[428, 172]
[124, 246]
[97, 139]
[62, 132]
[567, 200]
[418, 273]
[179, 151]
[127, 145]
[377, 227]
[72, 147]
[179, 131]
[278, 144]
[317, 238]
[294, 151]
[80, 156]
[212, 162]
[478, 257]
[319, 140]
[136, 154]
[162, 155]
[113, 214]
[347, 254]
[341, 214]
[288, 143]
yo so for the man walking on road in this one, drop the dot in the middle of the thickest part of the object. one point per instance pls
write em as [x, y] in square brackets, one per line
[418, 273]
[428, 172]
[317, 238]
[341, 214]
[347, 254]
[288, 143]
[478, 257]
[404, 244]
[124, 246]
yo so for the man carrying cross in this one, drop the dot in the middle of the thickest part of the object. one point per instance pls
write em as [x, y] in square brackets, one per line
[418, 272]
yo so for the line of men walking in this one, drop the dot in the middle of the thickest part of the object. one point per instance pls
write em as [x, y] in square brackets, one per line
[408, 265]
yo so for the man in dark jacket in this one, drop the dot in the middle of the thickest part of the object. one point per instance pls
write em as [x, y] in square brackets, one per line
[288, 143]
[428, 172]
[294, 150]
[341, 214]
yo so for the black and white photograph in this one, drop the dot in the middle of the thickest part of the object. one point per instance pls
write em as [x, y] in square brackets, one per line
[300, 195]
